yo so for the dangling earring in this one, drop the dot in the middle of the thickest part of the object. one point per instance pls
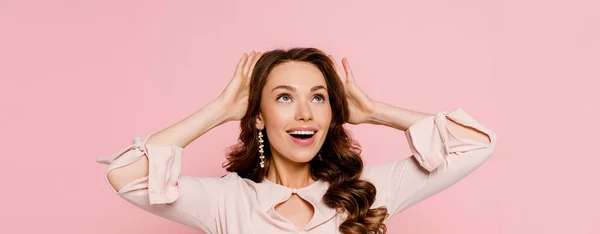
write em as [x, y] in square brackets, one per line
[261, 150]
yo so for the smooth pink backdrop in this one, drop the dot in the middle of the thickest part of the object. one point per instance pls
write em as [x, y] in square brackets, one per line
[79, 79]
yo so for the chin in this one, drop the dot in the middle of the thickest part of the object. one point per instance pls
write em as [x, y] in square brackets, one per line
[300, 158]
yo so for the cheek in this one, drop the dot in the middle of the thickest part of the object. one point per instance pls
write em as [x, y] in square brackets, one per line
[277, 117]
[326, 115]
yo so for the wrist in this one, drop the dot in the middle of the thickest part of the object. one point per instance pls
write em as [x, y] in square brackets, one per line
[220, 112]
[376, 117]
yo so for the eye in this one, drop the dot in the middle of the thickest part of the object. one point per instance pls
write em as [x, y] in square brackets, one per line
[319, 98]
[284, 97]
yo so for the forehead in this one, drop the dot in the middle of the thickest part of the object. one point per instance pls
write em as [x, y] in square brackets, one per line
[297, 74]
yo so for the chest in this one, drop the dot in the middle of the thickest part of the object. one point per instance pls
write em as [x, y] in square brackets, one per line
[296, 210]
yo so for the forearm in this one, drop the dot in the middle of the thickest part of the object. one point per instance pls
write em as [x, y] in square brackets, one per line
[402, 119]
[395, 117]
[189, 129]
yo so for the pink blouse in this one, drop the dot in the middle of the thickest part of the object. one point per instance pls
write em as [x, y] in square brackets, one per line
[232, 204]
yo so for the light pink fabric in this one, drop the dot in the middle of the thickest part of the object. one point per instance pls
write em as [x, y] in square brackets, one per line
[232, 204]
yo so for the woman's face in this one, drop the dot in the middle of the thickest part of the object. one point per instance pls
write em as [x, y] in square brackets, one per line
[295, 111]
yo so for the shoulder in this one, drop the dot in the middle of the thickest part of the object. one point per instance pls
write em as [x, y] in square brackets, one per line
[228, 186]
[224, 183]
[233, 183]
[380, 172]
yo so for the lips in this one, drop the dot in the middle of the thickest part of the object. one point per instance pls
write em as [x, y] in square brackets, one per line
[303, 136]
[302, 132]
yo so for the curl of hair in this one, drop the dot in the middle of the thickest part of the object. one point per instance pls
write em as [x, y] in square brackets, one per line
[339, 162]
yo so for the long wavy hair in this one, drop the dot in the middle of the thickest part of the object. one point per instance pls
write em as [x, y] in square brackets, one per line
[339, 162]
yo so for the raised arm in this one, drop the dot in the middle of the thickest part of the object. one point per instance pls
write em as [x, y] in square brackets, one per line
[171, 140]
[446, 147]
[147, 172]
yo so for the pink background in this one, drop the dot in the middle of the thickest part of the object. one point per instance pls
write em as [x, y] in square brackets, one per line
[80, 79]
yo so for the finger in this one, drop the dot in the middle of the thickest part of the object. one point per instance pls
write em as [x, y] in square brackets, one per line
[254, 63]
[248, 63]
[349, 74]
[240, 66]
[337, 70]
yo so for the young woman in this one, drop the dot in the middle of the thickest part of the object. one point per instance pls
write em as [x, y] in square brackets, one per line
[295, 169]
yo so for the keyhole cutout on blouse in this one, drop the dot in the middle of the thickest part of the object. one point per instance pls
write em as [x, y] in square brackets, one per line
[296, 210]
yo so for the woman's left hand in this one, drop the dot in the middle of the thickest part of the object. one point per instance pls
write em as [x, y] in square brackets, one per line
[361, 107]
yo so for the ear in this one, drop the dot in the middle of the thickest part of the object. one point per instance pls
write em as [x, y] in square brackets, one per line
[260, 124]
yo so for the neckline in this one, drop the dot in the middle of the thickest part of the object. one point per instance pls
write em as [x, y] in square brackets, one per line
[294, 190]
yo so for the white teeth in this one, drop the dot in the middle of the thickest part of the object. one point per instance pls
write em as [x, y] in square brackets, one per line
[302, 132]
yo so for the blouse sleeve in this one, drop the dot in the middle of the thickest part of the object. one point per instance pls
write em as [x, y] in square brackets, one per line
[439, 160]
[188, 200]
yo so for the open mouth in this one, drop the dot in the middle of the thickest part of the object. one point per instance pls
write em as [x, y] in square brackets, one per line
[302, 134]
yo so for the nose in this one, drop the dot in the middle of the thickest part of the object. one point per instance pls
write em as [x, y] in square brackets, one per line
[303, 112]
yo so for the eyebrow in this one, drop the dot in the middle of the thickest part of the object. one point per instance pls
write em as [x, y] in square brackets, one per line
[290, 88]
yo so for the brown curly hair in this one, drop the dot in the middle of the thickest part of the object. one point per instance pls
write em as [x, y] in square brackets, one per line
[339, 162]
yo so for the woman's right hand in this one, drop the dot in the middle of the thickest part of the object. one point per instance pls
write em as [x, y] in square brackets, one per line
[235, 96]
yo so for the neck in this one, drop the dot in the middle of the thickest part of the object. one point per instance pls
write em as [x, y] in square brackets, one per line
[289, 174]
